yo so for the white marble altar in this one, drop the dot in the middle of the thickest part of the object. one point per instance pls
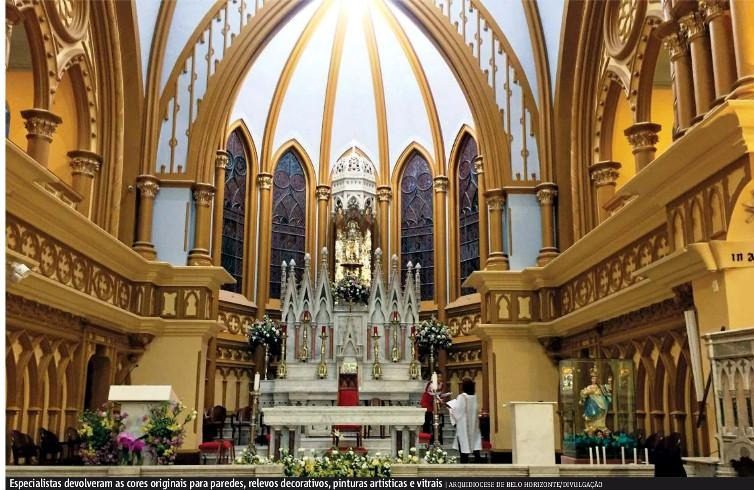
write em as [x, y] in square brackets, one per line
[289, 420]
[135, 400]
[533, 433]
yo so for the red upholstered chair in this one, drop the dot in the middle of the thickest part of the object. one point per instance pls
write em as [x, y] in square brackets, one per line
[223, 449]
[348, 396]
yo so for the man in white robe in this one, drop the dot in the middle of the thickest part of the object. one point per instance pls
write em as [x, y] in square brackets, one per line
[464, 415]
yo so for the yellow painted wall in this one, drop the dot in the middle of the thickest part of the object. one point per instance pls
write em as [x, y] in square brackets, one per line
[662, 114]
[65, 138]
[621, 148]
[19, 93]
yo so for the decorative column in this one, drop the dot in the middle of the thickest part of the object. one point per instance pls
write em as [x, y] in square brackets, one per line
[384, 196]
[41, 125]
[264, 183]
[721, 40]
[683, 86]
[483, 229]
[222, 158]
[148, 186]
[546, 192]
[701, 60]
[604, 175]
[741, 14]
[203, 194]
[323, 201]
[441, 247]
[498, 260]
[643, 137]
[84, 167]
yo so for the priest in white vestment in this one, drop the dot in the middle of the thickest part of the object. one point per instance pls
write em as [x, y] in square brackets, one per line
[465, 416]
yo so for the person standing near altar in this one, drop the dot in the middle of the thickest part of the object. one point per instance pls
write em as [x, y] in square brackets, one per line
[465, 416]
[427, 402]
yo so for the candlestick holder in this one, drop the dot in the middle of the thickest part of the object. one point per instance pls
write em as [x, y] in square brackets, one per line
[413, 369]
[266, 359]
[304, 355]
[253, 429]
[282, 366]
[436, 417]
[322, 368]
[395, 353]
[376, 367]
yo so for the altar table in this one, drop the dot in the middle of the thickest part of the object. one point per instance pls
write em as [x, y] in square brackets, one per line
[289, 420]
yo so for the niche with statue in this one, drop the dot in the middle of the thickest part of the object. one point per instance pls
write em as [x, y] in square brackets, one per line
[597, 408]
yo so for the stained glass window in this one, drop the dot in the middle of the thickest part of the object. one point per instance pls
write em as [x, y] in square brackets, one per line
[288, 217]
[417, 225]
[234, 211]
[468, 211]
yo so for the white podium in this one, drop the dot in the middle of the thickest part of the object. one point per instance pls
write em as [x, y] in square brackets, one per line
[135, 401]
[533, 433]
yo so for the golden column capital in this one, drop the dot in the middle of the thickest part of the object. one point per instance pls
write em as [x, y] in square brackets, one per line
[478, 164]
[85, 165]
[495, 199]
[643, 137]
[441, 184]
[203, 194]
[384, 193]
[222, 158]
[41, 125]
[711, 9]
[546, 192]
[148, 186]
[692, 24]
[323, 192]
[604, 175]
[264, 181]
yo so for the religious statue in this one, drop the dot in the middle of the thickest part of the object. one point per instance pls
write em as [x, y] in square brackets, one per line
[596, 399]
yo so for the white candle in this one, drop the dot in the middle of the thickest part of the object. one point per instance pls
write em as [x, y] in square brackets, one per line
[256, 381]
[636, 461]
[597, 453]
[646, 456]
[622, 455]
[434, 382]
[604, 455]
[591, 457]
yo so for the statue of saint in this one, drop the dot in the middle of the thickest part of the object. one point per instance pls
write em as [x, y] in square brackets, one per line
[596, 399]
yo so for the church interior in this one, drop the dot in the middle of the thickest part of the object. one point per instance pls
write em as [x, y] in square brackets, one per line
[564, 187]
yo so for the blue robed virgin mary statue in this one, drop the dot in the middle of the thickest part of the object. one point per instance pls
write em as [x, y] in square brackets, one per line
[596, 399]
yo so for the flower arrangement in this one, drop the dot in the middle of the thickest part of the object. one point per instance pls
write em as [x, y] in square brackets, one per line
[163, 432]
[580, 443]
[99, 432]
[433, 334]
[407, 457]
[436, 455]
[336, 464]
[265, 332]
[248, 456]
[131, 449]
[350, 290]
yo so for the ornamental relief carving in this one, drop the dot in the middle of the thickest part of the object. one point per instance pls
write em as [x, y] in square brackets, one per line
[234, 323]
[69, 18]
[623, 21]
[462, 325]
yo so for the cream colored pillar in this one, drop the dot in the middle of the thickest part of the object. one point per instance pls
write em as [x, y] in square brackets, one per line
[484, 232]
[701, 61]
[546, 193]
[41, 125]
[721, 40]
[85, 166]
[440, 239]
[148, 186]
[199, 255]
[683, 85]
[264, 184]
[643, 137]
[604, 175]
[515, 349]
[178, 358]
[496, 204]
[384, 196]
[222, 158]
[742, 17]
[323, 206]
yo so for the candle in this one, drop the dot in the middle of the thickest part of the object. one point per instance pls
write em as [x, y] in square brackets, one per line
[646, 456]
[434, 382]
[284, 328]
[636, 461]
[604, 455]
[256, 381]
[375, 330]
[597, 453]
[622, 455]
[591, 455]
[324, 330]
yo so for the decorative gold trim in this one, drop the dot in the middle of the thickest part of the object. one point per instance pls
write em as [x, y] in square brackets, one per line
[383, 146]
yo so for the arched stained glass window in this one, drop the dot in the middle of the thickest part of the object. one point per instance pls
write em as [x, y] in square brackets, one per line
[468, 211]
[288, 217]
[417, 225]
[234, 211]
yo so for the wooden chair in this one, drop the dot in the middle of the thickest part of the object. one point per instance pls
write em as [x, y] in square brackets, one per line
[72, 447]
[22, 446]
[240, 421]
[50, 449]
[214, 423]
